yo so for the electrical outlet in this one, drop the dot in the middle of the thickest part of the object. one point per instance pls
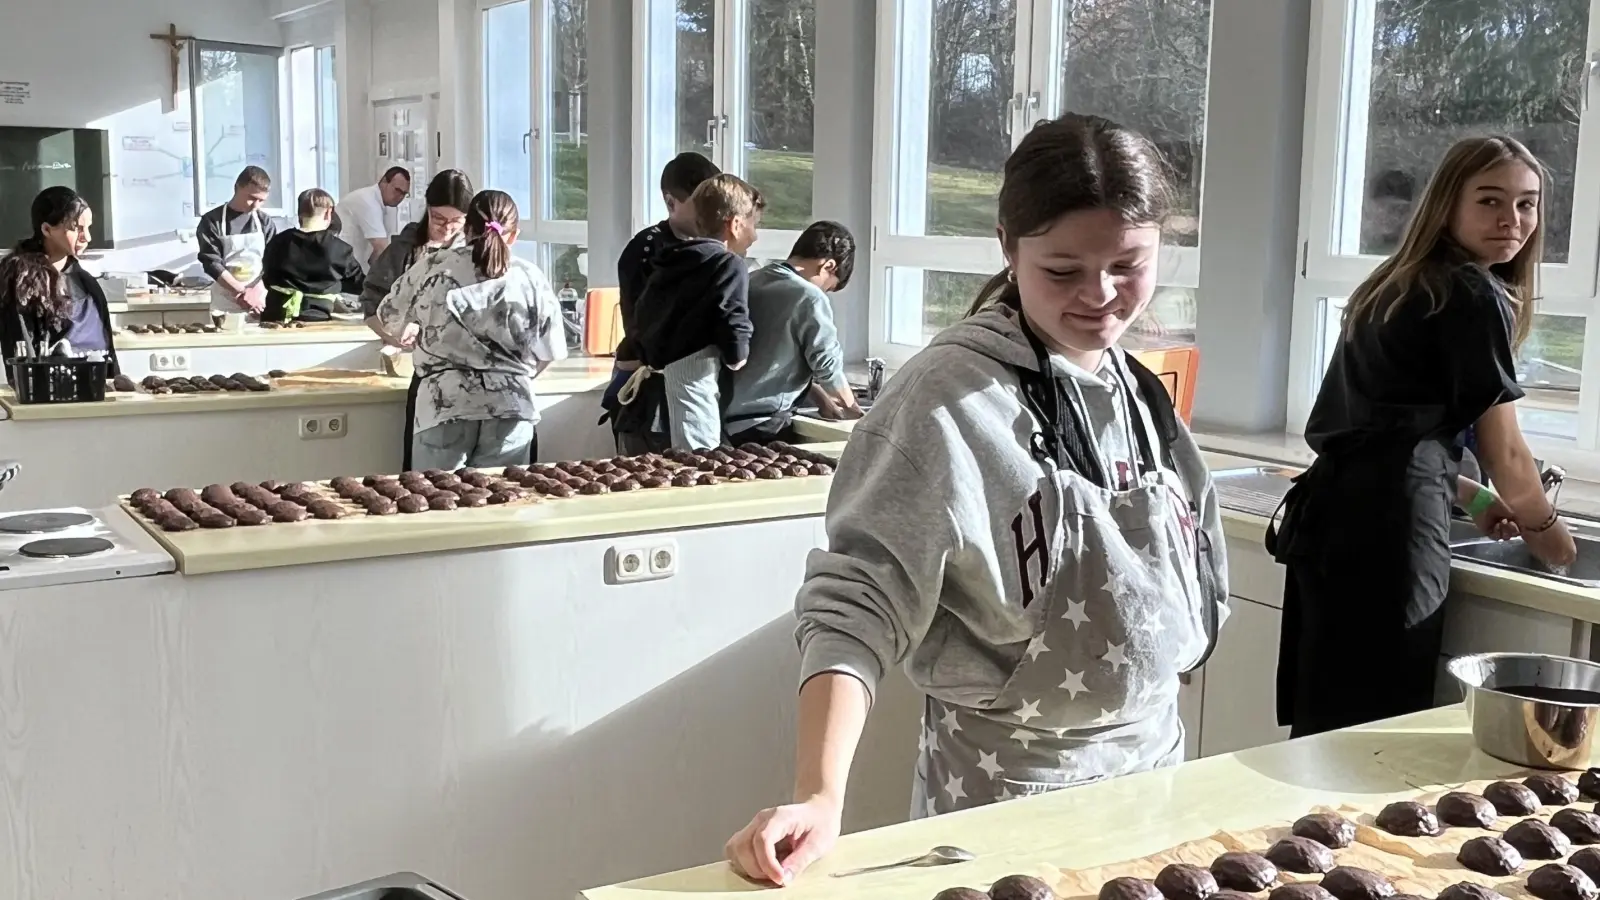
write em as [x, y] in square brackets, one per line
[628, 565]
[180, 361]
[664, 559]
[316, 428]
[162, 362]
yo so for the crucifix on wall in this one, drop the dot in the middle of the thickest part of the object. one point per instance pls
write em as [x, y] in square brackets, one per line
[174, 42]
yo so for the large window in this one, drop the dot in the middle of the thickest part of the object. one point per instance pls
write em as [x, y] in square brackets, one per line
[736, 81]
[234, 107]
[313, 122]
[1393, 83]
[960, 82]
[536, 144]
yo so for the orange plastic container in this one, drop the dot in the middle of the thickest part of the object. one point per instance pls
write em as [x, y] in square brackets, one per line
[602, 322]
[1178, 368]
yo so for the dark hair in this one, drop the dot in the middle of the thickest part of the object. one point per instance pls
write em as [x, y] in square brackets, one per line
[490, 216]
[395, 172]
[335, 225]
[253, 176]
[684, 172]
[828, 240]
[313, 201]
[1072, 164]
[26, 277]
[450, 188]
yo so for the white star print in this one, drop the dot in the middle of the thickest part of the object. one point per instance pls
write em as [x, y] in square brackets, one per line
[922, 740]
[932, 809]
[988, 763]
[1036, 648]
[1029, 710]
[1074, 684]
[1075, 614]
[1154, 626]
[949, 721]
[952, 786]
[1147, 557]
[1113, 585]
[1122, 501]
[1106, 717]
[1023, 737]
[1114, 656]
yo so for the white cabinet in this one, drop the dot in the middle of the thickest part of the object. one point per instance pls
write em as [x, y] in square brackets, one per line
[1239, 708]
[1191, 707]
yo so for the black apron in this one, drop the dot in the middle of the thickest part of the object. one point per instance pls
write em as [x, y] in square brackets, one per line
[1365, 541]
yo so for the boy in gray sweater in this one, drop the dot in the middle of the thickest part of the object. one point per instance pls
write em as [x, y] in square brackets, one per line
[795, 348]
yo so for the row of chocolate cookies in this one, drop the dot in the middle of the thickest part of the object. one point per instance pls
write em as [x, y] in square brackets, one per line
[435, 489]
[182, 384]
[224, 506]
[191, 328]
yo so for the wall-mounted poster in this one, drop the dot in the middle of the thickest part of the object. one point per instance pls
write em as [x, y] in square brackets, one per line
[383, 145]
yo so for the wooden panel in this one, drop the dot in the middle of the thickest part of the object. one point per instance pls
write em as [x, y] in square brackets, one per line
[1240, 707]
[1178, 368]
[602, 323]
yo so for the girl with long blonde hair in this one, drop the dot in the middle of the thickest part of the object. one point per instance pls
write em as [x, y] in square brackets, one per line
[1427, 353]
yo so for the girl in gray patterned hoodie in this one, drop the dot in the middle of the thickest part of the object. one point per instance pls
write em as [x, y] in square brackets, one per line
[1021, 522]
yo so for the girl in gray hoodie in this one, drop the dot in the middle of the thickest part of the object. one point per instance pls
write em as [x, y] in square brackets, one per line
[1021, 522]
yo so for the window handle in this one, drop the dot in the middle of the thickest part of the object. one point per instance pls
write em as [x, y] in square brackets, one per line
[526, 136]
[1030, 110]
[1012, 105]
[1591, 66]
[711, 132]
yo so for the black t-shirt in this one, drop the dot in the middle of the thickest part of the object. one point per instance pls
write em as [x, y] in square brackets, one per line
[1421, 374]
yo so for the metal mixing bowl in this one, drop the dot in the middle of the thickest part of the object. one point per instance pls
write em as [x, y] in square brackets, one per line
[1542, 734]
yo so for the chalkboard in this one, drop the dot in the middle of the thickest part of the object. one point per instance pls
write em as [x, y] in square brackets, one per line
[32, 159]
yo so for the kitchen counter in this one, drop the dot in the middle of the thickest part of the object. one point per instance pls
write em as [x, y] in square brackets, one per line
[355, 389]
[370, 537]
[1128, 817]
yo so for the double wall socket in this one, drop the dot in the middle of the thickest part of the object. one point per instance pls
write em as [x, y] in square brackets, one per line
[627, 564]
[175, 361]
[316, 428]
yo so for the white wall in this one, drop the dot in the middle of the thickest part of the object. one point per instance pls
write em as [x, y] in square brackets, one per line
[91, 64]
[405, 42]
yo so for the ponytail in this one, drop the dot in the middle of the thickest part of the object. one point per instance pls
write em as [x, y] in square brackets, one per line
[1000, 290]
[491, 226]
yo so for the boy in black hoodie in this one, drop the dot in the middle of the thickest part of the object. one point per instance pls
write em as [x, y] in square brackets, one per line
[679, 178]
[306, 268]
[692, 323]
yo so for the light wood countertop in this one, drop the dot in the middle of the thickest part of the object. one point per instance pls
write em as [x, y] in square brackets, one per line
[1127, 817]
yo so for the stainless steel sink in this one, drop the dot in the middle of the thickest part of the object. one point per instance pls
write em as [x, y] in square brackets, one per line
[1256, 490]
[1468, 544]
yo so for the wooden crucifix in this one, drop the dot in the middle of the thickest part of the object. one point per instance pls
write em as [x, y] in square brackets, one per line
[174, 42]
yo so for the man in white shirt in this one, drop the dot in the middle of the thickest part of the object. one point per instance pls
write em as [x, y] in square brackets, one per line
[360, 214]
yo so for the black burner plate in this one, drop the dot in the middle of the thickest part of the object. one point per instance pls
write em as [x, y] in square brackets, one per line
[61, 548]
[43, 522]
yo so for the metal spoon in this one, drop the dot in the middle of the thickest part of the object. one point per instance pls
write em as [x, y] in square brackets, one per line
[938, 856]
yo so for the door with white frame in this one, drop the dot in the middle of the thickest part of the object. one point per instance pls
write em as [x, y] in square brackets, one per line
[733, 80]
[1392, 84]
[959, 82]
[405, 137]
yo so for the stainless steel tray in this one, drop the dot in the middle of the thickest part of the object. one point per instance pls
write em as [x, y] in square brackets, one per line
[399, 886]
[1257, 490]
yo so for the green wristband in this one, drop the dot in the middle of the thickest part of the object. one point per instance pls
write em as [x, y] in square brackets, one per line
[1480, 502]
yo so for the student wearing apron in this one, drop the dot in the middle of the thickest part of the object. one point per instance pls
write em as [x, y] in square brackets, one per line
[231, 241]
[1426, 357]
[1021, 522]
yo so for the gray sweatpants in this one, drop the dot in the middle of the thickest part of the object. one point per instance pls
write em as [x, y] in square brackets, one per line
[694, 407]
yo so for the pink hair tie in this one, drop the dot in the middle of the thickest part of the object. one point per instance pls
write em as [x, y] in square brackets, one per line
[496, 227]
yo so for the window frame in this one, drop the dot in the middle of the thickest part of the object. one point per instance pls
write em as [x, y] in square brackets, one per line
[280, 173]
[1336, 130]
[900, 164]
[537, 223]
[655, 109]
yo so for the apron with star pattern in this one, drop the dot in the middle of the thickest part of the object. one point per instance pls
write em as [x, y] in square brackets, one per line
[1121, 615]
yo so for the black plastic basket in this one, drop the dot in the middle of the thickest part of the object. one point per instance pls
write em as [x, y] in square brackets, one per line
[58, 380]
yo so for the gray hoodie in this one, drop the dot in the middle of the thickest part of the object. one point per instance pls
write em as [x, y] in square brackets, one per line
[928, 559]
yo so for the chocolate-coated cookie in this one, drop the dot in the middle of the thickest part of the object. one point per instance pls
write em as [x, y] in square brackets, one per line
[1490, 855]
[961, 893]
[653, 481]
[176, 521]
[1021, 887]
[1580, 826]
[499, 498]
[1587, 861]
[1467, 890]
[592, 488]
[1304, 890]
[215, 518]
[770, 473]
[685, 478]
[561, 490]
[1557, 882]
[1552, 789]
[444, 501]
[284, 511]
[1589, 784]
[706, 478]
[1351, 883]
[1242, 871]
[1127, 888]
[412, 504]
[143, 495]
[1536, 839]
[1181, 881]
[249, 516]
[381, 506]
[473, 499]
[1326, 829]
[1300, 855]
[1464, 810]
[1409, 818]
[1512, 799]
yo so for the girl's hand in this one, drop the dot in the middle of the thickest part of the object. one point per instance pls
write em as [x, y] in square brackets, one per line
[781, 842]
[408, 336]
